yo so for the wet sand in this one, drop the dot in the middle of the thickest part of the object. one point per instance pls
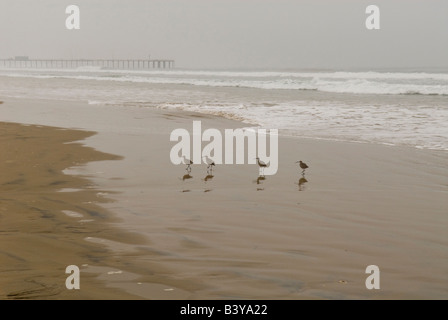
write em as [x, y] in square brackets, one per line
[238, 236]
[45, 214]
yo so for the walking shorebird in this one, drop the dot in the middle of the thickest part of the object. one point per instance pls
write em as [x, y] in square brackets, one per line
[210, 163]
[303, 165]
[261, 164]
[188, 162]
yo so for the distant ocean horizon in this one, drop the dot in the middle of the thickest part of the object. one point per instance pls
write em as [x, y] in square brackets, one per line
[403, 106]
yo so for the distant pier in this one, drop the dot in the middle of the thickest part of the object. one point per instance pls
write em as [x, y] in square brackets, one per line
[126, 64]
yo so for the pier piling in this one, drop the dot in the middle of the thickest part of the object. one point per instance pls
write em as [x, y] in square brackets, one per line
[129, 64]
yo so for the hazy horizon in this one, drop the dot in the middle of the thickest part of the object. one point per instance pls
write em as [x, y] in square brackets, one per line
[232, 34]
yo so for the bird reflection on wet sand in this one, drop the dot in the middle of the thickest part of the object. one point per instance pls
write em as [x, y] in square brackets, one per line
[302, 182]
[187, 176]
[207, 178]
[259, 181]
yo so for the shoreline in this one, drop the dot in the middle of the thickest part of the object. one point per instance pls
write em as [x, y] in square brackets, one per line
[231, 237]
[232, 123]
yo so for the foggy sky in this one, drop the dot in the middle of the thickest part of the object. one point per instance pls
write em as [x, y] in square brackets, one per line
[232, 33]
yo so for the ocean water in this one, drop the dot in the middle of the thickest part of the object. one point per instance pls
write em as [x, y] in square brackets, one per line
[393, 108]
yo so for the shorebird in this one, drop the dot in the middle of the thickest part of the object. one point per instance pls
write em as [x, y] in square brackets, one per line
[188, 162]
[303, 165]
[261, 164]
[210, 163]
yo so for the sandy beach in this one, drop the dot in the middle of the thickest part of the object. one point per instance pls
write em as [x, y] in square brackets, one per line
[113, 204]
[39, 206]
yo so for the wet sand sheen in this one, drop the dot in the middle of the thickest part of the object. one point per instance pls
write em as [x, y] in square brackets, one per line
[238, 236]
[42, 231]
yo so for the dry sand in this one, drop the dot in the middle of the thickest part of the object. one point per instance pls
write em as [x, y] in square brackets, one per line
[232, 235]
